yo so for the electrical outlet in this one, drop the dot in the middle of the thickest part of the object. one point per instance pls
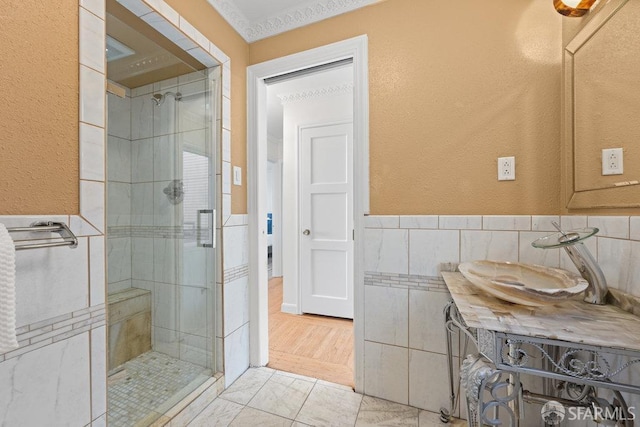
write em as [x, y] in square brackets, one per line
[506, 168]
[612, 161]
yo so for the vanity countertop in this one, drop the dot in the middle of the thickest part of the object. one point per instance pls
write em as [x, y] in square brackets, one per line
[572, 320]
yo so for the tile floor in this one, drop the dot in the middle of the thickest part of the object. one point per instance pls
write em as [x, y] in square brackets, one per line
[148, 385]
[266, 397]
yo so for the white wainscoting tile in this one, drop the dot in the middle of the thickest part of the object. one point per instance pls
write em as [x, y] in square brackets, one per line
[92, 96]
[51, 384]
[460, 222]
[137, 7]
[142, 160]
[167, 164]
[544, 222]
[142, 264]
[529, 254]
[164, 212]
[634, 228]
[193, 349]
[165, 10]
[428, 380]
[119, 159]
[98, 370]
[226, 113]
[226, 178]
[236, 354]
[169, 30]
[381, 221]
[236, 304]
[506, 222]
[100, 421]
[226, 145]
[619, 262]
[119, 259]
[91, 152]
[386, 315]
[142, 203]
[97, 270]
[429, 248]
[226, 75]
[166, 341]
[386, 373]
[96, 7]
[236, 246]
[91, 40]
[611, 226]
[419, 221]
[192, 116]
[119, 117]
[142, 117]
[386, 251]
[51, 282]
[192, 310]
[570, 222]
[80, 227]
[119, 202]
[219, 56]
[492, 245]
[426, 321]
[92, 203]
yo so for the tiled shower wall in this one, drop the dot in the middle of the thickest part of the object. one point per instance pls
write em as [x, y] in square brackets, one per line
[405, 295]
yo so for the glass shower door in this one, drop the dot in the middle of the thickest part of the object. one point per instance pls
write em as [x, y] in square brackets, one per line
[195, 254]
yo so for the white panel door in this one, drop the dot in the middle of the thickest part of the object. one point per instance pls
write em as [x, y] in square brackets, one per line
[326, 220]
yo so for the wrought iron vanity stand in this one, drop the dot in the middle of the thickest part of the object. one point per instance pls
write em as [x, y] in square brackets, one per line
[576, 369]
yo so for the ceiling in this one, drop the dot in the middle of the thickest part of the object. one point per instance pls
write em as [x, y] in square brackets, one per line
[259, 19]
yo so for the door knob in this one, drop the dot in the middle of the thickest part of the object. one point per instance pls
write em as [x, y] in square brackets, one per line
[306, 232]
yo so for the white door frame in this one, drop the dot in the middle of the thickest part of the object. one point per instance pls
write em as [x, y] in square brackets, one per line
[356, 48]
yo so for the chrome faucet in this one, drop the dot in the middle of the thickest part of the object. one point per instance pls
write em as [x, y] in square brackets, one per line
[581, 257]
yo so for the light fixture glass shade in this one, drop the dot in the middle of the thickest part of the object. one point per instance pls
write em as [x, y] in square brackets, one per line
[573, 8]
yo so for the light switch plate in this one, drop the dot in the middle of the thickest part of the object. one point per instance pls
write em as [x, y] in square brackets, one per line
[237, 175]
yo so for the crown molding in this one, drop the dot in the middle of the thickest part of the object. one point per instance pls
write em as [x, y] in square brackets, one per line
[304, 14]
[306, 95]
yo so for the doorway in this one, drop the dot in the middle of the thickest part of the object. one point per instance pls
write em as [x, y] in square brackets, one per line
[356, 50]
[310, 146]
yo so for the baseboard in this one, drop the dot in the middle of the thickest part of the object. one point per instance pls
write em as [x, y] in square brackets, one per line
[289, 308]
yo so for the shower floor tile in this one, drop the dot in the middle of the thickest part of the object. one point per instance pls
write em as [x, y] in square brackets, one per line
[148, 386]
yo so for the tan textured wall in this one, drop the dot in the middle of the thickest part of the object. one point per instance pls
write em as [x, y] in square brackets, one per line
[453, 86]
[39, 108]
[205, 18]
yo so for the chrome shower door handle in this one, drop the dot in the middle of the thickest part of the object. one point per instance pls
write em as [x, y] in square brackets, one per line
[210, 226]
[306, 232]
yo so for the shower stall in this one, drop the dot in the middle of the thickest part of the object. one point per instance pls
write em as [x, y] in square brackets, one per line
[161, 243]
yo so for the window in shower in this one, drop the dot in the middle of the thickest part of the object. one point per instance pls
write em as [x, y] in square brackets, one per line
[161, 230]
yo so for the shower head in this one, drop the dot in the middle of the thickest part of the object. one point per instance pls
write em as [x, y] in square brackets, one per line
[157, 98]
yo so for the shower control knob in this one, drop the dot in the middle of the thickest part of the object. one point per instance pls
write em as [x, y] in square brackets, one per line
[306, 232]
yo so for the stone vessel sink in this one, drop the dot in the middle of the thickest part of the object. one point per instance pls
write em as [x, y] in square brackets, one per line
[524, 284]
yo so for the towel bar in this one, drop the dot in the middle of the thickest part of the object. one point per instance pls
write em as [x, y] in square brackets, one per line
[67, 238]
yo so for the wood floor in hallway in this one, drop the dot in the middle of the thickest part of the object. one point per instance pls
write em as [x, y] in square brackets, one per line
[311, 345]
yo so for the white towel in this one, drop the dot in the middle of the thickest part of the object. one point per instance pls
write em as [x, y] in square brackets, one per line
[8, 339]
